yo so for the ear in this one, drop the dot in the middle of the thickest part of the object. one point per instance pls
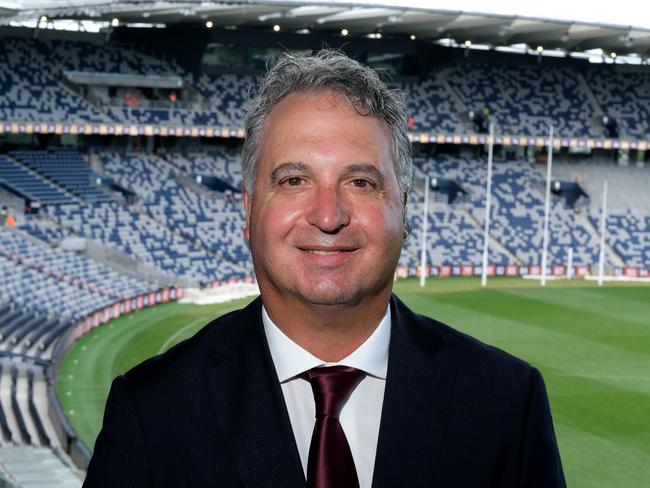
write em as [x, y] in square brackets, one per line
[247, 209]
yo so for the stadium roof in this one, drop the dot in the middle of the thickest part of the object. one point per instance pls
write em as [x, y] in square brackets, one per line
[457, 27]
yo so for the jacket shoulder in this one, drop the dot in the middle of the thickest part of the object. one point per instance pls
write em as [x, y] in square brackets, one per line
[464, 352]
[214, 340]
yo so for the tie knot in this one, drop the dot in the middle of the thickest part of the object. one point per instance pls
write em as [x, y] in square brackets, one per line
[332, 386]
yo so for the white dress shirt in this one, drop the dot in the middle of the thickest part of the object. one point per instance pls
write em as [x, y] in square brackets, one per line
[360, 415]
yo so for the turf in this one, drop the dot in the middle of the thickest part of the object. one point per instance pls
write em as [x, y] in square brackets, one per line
[592, 345]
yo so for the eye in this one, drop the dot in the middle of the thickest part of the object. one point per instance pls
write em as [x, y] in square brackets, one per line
[361, 183]
[293, 181]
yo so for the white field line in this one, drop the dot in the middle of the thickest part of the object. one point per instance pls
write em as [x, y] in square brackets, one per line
[179, 332]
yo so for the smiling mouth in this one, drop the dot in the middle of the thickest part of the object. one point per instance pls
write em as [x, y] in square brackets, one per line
[323, 253]
[327, 252]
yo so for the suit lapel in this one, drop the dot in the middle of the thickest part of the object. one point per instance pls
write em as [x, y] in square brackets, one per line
[250, 407]
[417, 401]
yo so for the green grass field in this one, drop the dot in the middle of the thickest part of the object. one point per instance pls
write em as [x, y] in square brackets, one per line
[592, 345]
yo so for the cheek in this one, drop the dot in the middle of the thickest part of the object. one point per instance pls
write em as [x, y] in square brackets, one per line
[273, 220]
[382, 222]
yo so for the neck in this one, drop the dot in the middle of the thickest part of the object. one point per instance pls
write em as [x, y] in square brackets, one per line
[329, 332]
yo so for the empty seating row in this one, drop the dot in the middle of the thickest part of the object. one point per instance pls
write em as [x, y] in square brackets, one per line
[28, 184]
[144, 239]
[70, 266]
[220, 161]
[47, 295]
[66, 168]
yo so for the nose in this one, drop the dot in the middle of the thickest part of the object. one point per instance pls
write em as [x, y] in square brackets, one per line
[328, 210]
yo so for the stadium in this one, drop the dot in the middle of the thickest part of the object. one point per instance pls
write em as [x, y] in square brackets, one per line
[122, 214]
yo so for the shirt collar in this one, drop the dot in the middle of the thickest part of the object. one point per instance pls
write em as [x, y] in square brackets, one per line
[290, 359]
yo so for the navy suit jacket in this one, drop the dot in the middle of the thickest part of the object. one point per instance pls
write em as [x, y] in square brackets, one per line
[210, 413]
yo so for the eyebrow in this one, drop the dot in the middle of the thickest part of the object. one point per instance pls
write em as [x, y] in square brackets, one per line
[298, 167]
[288, 168]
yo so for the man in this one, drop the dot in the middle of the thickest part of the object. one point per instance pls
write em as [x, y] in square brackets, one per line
[327, 380]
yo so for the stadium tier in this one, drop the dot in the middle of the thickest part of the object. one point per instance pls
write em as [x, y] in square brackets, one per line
[185, 228]
[30, 89]
[525, 100]
[227, 95]
[52, 81]
[623, 96]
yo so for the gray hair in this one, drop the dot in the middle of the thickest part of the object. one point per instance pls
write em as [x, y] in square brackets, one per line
[328, 70]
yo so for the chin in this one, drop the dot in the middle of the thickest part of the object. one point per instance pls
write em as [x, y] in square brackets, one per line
[333, 294]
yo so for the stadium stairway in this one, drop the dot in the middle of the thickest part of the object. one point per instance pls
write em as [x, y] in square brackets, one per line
[19, 389]
[47, 232]
[75, 91]
[6, 401]
[5, 422]
[198, 244]
[626, 97]
[126, 265]
[613, 257]
[192, 225]
[443, 78]
[30, 451]
[197, 188]
[223, 163]
[595, 122]
[104, 251]
[39, 398]
[493, 242]
[38, 467]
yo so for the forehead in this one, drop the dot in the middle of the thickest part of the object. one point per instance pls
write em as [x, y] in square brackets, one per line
[316, 126]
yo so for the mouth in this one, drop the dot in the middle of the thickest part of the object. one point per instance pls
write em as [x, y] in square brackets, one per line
[323, 252]
[327, 251]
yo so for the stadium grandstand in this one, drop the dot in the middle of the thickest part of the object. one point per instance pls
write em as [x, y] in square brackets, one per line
[120, 184]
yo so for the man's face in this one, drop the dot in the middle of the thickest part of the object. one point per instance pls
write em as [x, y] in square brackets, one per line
[325, 218]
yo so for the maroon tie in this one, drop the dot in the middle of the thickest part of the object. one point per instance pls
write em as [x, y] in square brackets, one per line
[330, 462]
